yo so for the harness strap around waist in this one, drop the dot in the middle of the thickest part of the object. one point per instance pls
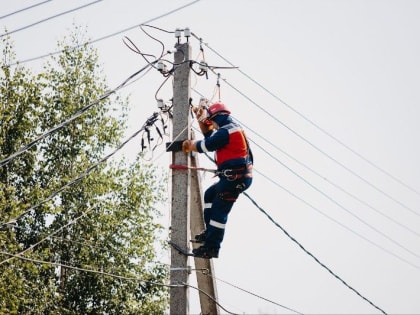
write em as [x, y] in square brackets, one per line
[236, 173]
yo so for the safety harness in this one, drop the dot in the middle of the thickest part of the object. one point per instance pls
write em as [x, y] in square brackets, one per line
[231, 174]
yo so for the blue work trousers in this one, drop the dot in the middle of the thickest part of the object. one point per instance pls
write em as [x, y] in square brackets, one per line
[218, 201]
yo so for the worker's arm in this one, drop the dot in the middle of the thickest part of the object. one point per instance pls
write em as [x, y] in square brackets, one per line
[211, 142]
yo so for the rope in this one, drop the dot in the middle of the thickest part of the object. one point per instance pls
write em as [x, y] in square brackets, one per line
[185, 167]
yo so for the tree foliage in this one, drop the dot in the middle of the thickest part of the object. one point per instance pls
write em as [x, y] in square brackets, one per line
[89, 249]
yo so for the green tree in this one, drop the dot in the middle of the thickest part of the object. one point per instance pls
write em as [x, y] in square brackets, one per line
[105, 222]
[19, 103]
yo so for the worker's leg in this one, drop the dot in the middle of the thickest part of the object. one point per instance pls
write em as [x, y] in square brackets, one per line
[224, 195]
[224, 198]
[209, 195]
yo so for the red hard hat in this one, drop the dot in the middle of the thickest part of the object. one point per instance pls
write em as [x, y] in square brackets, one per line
[217, 108]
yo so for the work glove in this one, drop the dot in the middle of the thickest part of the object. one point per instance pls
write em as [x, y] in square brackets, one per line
[186, 146]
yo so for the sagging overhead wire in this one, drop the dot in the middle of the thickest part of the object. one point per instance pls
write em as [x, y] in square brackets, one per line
[334, 201]
[24, 9]
[210, 297]
[323, 152]
[377, 230]
[311, 255]
[324, 178]
[340, 188]
[73, 221]
[352, 214]
[135, 49]
[79, 113]
[312, 122]
[256, 295]
[83, 175]
[107, 36]
[154, 38]
[50, 18]
[100, 272]
[333, 220]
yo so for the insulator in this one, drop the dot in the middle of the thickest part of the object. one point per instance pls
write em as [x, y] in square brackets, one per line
[178, 33]
[161, 66]
[204, 102]
[187, 32]
[203, 66]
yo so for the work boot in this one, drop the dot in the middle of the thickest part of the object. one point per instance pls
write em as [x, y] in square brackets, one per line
[206, 252]
[200, 238]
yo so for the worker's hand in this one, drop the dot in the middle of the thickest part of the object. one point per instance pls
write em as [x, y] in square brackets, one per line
[186, 146]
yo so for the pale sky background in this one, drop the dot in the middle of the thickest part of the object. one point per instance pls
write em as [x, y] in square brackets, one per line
[352, 68]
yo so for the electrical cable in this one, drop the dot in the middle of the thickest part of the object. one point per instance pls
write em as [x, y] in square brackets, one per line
[359, 235]
[256, 295]
[333, 220]
[160, 42]
[328, 181]
[79, 178]
[210, 297]
[136, 49]
[339, 223]
[24, 9]
[311, 255]
[69, 120]
[321, 176]
[324, 153]
[12, 256]
[49, 18]
[109, 35]
[101, 272]
[311, 122]
[338, 204]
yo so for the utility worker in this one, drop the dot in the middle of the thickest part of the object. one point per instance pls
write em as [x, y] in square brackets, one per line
[234, 167]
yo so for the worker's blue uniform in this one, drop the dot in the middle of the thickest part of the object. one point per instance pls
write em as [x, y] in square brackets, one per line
[234, 162]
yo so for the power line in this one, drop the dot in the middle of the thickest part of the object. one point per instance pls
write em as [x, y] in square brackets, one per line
[85, 243]
[333, 200]
[24, 9]
[256, 295]
[100, 272]
[338, 204]
[49, 18]
[45, 238]
[338, 222]
[311, 255]
[330, 182]
[323, 152]
[109, 35]
[69, 120]
[313, 123]
[210, 297]
[334, 220]
[80, 177]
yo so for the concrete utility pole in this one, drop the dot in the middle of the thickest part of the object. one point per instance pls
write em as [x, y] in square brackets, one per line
[180, 220]
[204, 267]
[185, 183]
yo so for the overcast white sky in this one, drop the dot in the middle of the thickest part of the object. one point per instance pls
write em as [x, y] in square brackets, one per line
[351, 68]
